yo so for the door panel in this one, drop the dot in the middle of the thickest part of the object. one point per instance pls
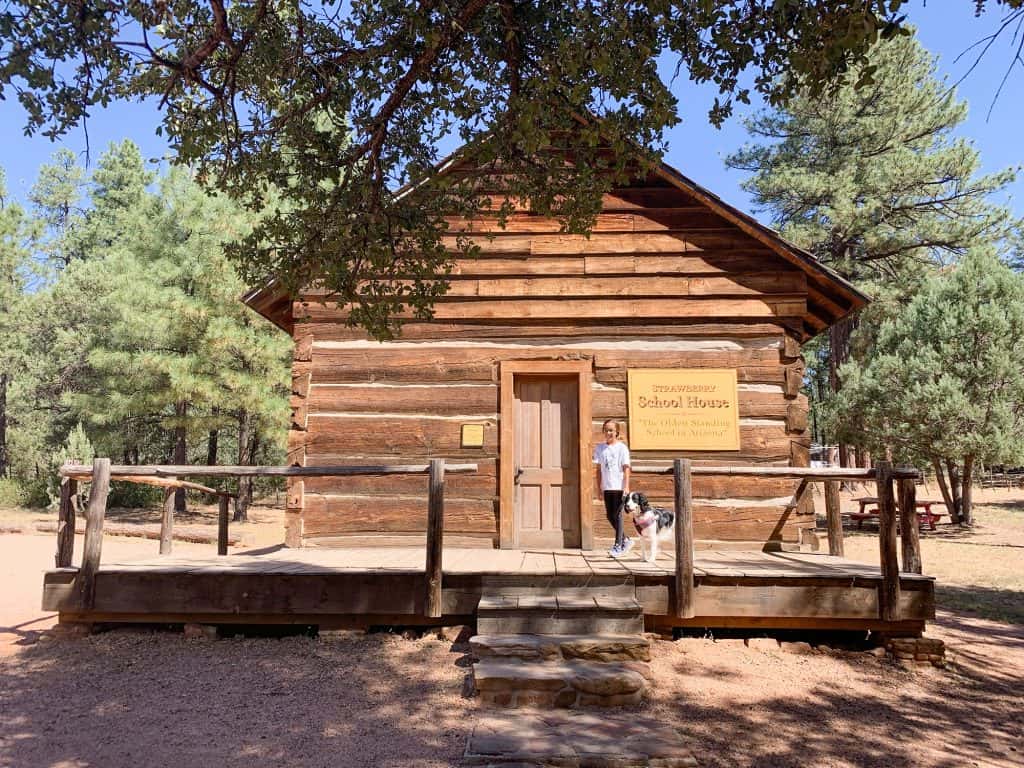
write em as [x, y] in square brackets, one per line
[546, 450]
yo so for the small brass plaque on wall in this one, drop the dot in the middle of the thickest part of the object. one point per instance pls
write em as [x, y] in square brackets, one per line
[472, 435]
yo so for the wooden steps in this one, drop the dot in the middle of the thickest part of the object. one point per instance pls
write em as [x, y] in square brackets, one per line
[559, 614]
[575, 647]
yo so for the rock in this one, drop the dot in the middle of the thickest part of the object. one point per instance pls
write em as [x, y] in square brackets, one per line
[200, 632]
[606, 679]
[513, 646]
[879, 652]
[512, 675]
[573, 738]
[762, 643]
[71, 630]
[453, 633]
[606, 648]
[566, 698]
[340, 634]
[500, 699]
[803, 649]
[535, 699]
[616, 700]
[546, 683]
[642, 668]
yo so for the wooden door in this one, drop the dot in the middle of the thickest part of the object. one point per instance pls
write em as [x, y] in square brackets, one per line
[546, 461]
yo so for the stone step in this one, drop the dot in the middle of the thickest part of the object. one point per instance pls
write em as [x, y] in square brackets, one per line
[563, 683]
[546, 647]
[577, 738]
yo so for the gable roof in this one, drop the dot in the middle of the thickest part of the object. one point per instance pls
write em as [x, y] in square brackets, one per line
[830, 297]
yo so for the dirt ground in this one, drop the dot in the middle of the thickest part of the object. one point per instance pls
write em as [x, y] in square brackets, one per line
[125, 698]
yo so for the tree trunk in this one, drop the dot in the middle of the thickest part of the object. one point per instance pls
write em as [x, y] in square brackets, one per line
[966, 512]
[956, 514]
[211, 447]
[180, 451]
[3, 425]
[947, 496]
[244, 483]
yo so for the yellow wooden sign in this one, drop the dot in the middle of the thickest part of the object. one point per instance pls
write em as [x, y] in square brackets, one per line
[689, 410]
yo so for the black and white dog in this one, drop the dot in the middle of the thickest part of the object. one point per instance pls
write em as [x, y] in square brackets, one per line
[654, 524]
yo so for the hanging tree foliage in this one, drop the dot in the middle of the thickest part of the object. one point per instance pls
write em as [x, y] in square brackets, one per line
[335, 106]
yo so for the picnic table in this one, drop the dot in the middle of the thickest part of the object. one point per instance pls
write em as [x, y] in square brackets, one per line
[925, 516]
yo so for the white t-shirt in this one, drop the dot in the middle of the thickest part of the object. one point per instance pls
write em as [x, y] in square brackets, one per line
[611, 459]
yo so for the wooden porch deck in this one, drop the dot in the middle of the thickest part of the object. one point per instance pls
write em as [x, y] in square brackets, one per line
[364, 586]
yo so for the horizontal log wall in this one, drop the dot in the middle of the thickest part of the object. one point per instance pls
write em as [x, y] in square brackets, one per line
[671, 286]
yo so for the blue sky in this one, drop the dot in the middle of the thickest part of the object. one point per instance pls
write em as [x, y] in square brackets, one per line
[695, 148]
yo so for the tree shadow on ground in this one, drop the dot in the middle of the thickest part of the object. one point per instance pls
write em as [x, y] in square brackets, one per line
[135, 697]
[853, 710]
[1000, 604]
[1010, 505]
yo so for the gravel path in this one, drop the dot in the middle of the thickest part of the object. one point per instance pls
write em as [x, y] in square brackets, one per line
[128, 698]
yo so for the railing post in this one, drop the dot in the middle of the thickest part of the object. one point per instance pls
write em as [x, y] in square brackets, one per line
[222, 524]
[66, 522]
[834, 518]
[85, 581]
[910, 539]
[167, 522]
[435, 538]
[684, 590]
[889, 592]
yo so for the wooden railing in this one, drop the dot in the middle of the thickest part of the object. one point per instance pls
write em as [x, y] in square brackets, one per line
[101, 473]
[884, 477]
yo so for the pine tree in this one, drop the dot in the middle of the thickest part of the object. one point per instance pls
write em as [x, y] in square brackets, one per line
[945, 380]
[57, 202]
[138, 335]
[872, 181]
[13, 263]
[180, 353]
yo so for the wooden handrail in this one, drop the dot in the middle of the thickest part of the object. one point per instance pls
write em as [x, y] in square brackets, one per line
[101, 473]
[126, 471]
[883, 474]
[796, 473]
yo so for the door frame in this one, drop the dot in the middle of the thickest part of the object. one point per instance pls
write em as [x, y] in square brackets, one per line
[506, 502]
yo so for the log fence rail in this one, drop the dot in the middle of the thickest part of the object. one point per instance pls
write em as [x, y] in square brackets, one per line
[101, 473]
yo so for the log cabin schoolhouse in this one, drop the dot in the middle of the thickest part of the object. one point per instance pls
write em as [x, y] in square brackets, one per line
[679, 317]
[675, 294]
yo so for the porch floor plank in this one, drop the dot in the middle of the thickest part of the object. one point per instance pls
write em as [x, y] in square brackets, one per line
[737, 564]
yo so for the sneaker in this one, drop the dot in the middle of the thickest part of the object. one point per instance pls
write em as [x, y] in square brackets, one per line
[615, 551]
[626, 546]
